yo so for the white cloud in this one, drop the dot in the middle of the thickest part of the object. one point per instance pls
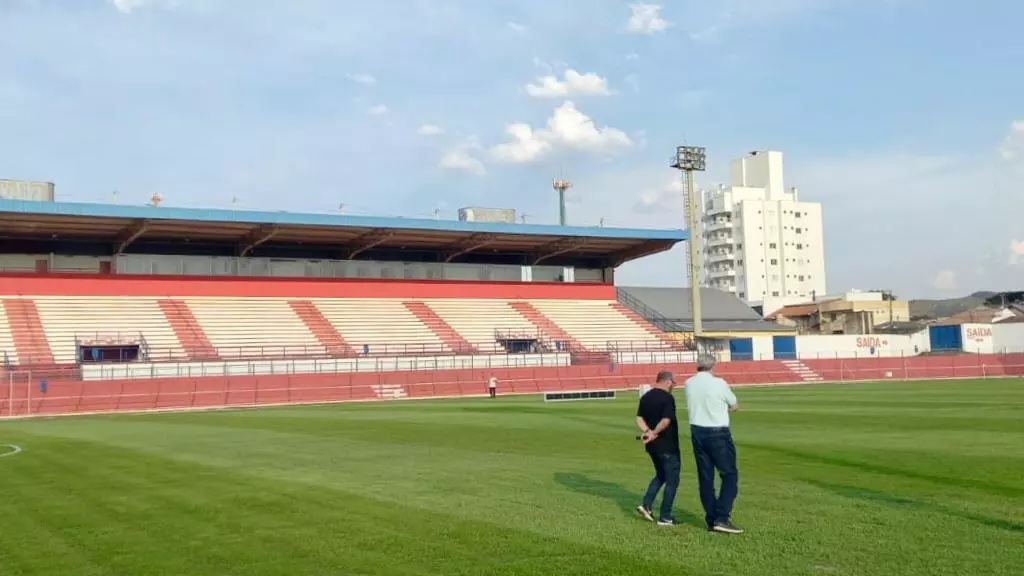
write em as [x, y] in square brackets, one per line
[574, 84]
[430, 130]
[632, 56]
[566, 128]
[1012, 146]
[460, 160]
[517, 28]
[128, 6]
[365, 79]
[656, 200]
[945, 280]
[646, 19]
[378, 110]
[1016, 252]
[634, 82]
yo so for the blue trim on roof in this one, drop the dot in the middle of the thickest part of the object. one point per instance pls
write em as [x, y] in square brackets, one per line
[29, 207]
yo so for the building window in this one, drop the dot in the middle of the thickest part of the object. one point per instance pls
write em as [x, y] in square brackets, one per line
[799, 230]
[775, 293]
[743, 296]
[800, 278]
[773, 246]
[796, 214]
[774, 262]
[799, 246]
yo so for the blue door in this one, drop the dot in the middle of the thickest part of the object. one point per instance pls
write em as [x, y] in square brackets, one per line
[945, 338]
[785, 347]
[741, 349]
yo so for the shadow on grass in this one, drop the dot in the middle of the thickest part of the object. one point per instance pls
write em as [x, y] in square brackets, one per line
[626, 500]
[995, 489]
[867, 495]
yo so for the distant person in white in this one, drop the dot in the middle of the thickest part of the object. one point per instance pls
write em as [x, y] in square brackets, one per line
[492, 386]
[709, 400]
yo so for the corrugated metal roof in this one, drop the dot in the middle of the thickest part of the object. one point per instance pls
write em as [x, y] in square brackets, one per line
[794, 311]
[674, 304]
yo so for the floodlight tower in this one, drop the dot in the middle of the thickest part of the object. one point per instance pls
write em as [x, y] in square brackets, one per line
[561, 186]
[690, 159]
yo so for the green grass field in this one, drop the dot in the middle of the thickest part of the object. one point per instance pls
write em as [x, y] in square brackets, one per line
[894, 478]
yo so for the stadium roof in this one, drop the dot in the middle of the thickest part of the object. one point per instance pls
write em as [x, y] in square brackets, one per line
[124, 225]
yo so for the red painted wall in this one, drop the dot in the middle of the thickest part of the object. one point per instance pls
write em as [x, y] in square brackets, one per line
[68, 397]
[184, 286]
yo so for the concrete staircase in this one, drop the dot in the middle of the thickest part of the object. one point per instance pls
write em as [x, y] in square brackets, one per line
[321, 327]
[437, 325]
[547, 326]
[803, 371]
[639, 321]
[27, 332]
[190, 334]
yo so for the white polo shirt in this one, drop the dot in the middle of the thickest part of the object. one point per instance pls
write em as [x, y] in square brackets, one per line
[708, 399]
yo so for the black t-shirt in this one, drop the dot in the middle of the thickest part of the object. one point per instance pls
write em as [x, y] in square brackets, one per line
[655, 405]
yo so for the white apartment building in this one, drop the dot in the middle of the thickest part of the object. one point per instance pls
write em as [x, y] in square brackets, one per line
[760, 241]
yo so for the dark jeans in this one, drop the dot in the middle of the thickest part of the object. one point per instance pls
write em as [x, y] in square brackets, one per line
[666, 473]
[713, 449]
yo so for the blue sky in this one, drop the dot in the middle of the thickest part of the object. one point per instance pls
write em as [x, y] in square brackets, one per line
[905, 118]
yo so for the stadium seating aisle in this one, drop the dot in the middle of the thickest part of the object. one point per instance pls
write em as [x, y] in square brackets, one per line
[478, 319]
[68, 319]
[385, 326]
[596, 323]
[8, 353]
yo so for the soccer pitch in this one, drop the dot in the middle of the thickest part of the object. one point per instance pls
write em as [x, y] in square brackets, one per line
[889, 478]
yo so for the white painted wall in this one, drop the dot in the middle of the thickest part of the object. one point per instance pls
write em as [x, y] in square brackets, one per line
[314, 366]
[1007, 338]
[977, 338]
[850, 346]
[764, 347]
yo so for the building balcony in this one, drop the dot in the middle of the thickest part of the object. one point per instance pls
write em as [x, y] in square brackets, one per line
[720, 241]
[717, 211]
[712, 226]
[720, 257]
[721, 273]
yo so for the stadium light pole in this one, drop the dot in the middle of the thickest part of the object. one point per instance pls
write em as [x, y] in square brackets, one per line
[690, 159]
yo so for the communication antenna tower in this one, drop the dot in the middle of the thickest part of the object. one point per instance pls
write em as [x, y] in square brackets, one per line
[561, 185]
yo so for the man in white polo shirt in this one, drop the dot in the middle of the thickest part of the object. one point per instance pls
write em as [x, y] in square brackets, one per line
[709, 400]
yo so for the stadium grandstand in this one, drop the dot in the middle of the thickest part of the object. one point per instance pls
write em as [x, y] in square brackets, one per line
[88, 285]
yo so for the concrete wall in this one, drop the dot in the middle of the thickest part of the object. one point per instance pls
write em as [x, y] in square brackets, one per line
[1008, 338]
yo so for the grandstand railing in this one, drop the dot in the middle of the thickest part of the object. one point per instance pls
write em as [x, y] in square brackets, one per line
[659, 321]
[313, 351]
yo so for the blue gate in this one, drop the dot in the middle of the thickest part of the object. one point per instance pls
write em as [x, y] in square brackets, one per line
[945, 338]
[785, 347]
[741, 349]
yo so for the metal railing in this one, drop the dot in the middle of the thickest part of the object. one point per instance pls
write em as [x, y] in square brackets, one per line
[659, 321]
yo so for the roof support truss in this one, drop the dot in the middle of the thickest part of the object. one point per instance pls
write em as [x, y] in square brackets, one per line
[368, 241]
[468, 244]
[557, 248]
[129, 234]
[255, 237]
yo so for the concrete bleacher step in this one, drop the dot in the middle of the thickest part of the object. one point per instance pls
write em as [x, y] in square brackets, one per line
[546, 325]
[27, 333]
[185, 326]
[444, 331]
[647, 326]
[322, 328]
[802, 370]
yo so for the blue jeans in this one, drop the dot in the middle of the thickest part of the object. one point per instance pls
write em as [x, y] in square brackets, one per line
[666, 473]
[713, 449]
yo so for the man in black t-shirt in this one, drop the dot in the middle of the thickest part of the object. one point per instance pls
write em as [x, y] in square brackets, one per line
[656, 419]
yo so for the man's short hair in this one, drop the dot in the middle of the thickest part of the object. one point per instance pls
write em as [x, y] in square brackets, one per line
[705, 362]
[664, 376]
